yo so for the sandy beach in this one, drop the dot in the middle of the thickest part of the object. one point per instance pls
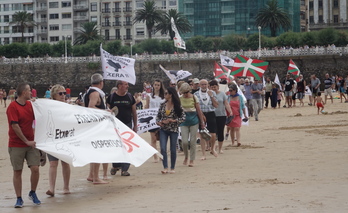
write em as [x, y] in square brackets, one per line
[291, 160]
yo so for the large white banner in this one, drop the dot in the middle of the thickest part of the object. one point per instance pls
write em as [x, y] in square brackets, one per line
[175, 75]
[147, 120]
[178, 41]
[117, 68]
[80, 135]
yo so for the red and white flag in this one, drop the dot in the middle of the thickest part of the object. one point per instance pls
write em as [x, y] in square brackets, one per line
[293, 69]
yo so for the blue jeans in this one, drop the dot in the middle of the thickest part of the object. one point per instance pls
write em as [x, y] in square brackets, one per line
[163, 144]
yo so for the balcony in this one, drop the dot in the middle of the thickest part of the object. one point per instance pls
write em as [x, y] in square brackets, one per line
[106, 24]
[41, 9]
[117, 24]
[127, 23]
[106, 10]
[80, 7]
[77, 29]
[41, 20]
[127, 37]
[40, 32]
[127, 9]
[116, 10]
[80, 18]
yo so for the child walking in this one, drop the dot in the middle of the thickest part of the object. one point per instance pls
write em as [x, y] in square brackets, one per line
[320, 103]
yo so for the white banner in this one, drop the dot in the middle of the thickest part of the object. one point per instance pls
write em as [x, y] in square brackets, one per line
[178, 41]
[147, 119]
[175, 75]
[117, 68]
[276, 80]
[226, 61]
[79, 135]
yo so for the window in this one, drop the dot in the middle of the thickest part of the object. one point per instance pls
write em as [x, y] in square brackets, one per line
[6, 29]
[172, 3]
[311, 19]
[118, 34]
[140, 31]
[54, 16]
[6, 7]
[66, 15]
[320, 3]
[30, 29]
[53, 5]
[6, 18]
[54, 27]
[16, 29]
[311, 5]
[335, 18]
[139, 4]
[66, 26]
[107, 35]
[6, 40]
[94, 19]
[335, 3]
[54, 38]
[320, 19]
[94, 6]
[66, 4]
[16, 6]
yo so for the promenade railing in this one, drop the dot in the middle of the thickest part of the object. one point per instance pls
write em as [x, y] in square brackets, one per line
[188, 56]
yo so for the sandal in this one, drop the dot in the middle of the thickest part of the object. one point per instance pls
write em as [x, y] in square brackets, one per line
[113, 171]
[125, 173]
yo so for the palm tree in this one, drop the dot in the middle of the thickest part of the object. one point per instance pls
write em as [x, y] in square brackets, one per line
[180, 20]
[23, 19]
[273, 17]
[149, 14]
[88, 32]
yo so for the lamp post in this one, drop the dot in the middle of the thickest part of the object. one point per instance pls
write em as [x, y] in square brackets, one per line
[131, 49]
[248, 32]
[259, 41]
[66, 50]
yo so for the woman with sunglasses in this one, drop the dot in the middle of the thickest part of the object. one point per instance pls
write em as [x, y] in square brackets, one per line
[58, 93]
[170, 116]
[238, 109]
[153, 101]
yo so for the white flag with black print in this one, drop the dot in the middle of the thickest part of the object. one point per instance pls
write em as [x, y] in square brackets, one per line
[175, 75]
[178, 41]
[226, 61]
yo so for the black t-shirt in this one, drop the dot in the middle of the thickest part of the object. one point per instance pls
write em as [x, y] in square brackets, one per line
[194, 90]
[288, 84]
[124, 105]
[328, 83]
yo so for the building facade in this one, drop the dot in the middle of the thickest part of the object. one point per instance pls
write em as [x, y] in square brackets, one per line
[212, 18]
[327, 13]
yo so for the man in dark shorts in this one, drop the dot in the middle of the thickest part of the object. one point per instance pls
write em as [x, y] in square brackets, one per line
[21, 144]
[315, 84]
[288, 85]
[208, 103]
[127, 113]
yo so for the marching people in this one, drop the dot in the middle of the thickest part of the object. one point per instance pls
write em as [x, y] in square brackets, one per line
[58, 93]
[301, 85]
[21, 145]
[170, 116]
[153, 101]
[256, 91]
[315, 84]
[288, 86]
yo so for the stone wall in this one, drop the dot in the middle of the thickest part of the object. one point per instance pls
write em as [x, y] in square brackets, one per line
[77, 75]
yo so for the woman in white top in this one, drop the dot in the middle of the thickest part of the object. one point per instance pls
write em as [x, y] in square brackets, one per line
[154, 100]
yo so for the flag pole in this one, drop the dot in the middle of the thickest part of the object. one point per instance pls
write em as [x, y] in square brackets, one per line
[177, 50]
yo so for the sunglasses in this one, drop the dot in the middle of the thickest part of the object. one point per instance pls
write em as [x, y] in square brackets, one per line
[61, 93]
[166, 93]
[173, 84]
[186, 92]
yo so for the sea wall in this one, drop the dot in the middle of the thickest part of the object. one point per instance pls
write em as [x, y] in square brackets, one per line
[77, 75]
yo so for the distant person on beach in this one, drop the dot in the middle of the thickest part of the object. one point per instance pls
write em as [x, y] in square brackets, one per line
[22, 146]
[328, 83]
[68, 92]
[320, 102]
[94, 98]
[301, 86]
[58, 93]
[4, 96]
[288, 86]
[342, 88]
[12, 94]
[33, 93]
[315, 84]
[48, 93]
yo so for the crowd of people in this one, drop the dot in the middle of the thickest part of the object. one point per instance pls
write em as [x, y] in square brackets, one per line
[197, 111]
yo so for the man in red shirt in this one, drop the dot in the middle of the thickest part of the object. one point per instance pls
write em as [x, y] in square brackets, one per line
[21, 144]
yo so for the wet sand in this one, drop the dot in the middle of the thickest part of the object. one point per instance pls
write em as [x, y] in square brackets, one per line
[291, 160]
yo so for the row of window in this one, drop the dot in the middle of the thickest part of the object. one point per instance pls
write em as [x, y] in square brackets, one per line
[18, 6]
[320, 4]
[321, 20]
[56, 4]
[15, 29]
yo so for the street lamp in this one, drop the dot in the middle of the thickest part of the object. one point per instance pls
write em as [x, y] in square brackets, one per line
[66, 50]
[248, 32]
[131, 49]
[259, 41]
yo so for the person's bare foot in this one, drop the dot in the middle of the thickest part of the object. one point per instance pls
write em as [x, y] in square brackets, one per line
[66, 191]
[185, 162]
[105, 177]
[50, 193]
[191, 163]
[203, 158]
[164, 171]
[220, 151]
[90, 179]
[213, 153]
[99, 181]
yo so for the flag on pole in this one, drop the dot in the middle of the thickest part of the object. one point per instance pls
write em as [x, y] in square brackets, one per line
[175, 75]
[244, 66]
[222, 72]
[226, 61]
[117, 68]
[178, 41]
[293, 69]
[276, 80]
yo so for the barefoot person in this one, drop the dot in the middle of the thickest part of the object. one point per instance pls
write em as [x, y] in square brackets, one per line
[58, 93]
[238, 109]
[4, 96]
[170, 116]
[94, 98]
[320, 102]
[21, 144]
[153, 101]
[189, 127]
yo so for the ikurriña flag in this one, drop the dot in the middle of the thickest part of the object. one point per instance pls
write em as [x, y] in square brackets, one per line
[222, 72]
[244, 66]
[117, 67]
[293, 69]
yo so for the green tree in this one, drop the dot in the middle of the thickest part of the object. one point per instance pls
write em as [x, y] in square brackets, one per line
[167, 46]
[217, 43]
[152, 46]
[288, 39]
[23, 20]
[180, 20]
[113, 47]
[150, 15]
[309, 38]
[15, 50]
[88, 32]
[273, 17]
[207, 44]
[40, 49]
[327, 36]
[342, 39]
[197, 43]
[234, 42]
[58, 49]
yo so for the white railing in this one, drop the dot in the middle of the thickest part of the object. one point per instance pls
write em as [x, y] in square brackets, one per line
[188, 56]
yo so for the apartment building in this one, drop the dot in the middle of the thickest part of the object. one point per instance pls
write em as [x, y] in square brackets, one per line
[9, 32]
[328, 13]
